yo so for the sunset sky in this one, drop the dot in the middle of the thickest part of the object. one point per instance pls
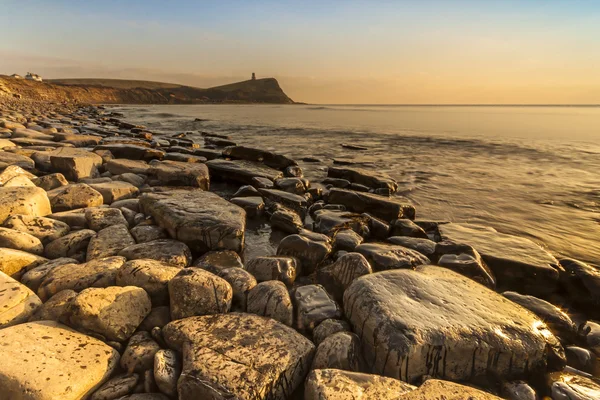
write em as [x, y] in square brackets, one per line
[321, 52]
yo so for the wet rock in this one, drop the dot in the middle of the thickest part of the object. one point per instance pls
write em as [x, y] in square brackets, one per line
[378, 229]
[313, 305]
[55, 307]
[291, 185]
[405, 227]
[186, 158]
[565, 385]
[113, 312]
[241, 171]
[385, 208]
[246, 191]
[72, 245]
[116, 387]
[115, 190]
[151, 275]
[167, 369]
[103, 217]
[558, 321]
[202, 220]
[364, 177]
[331, 221]
[135, 180]
[518, 390]
[423, 246]
[68, 374]
[268, 158]
[158, 317]
[74, 196]
[386, 311]
[346, 240]
[289, 200]
[132, 152]
[465, 260]
[582, 283]
[518, 263]
[241, 282]
[194, 291]
[109, 242]
[15, 262]
[97, 273]
[44, 229]
[124, 166]
[50, 181]
[238, 355]
[147, 233]
[34, 277]
[385, 256]
[139, 353]
[254, 206]
[7, 158]
[338, 276]
[17, 302]
[262, 183]
[582, 360]
[271, 299]
[340, 351]
[309, 253]
[30, 201]
[270, 268]
[215, 261]
[173, 173]
[164, 250]
[334, 384]
[286, 220]
[336, 182]
[328, 328]
[75, 164]
[13, 239]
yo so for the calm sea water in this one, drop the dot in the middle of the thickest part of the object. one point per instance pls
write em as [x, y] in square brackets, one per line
[529, 171]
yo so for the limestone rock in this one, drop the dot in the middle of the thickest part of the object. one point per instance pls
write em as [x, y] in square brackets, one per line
[565, 385]
[338, 276]
[467, 263]
[202, 220]
[269, 268]
[582, 283]
[175, 173]
[146, 233]
[328, 328]
[346, 240]
[72, 245]
[34, 277]
[385, 208]
[309, 253]
[74, 196]
[131, 151]
[434, 389]
[271, 299]
[241, 282]
[116, 387]
[124, 166]
[35, 370]
[339, 351]
[15, 262]
[254, 206]
[165, 250]
[55, 307]
[158, 317]
[115, 190]
[151, 275]
[50, 181]
[45, 229]
[313, 305]
[23, 200]
[167, 369]
[240, 356]
[13, 171]
[13, 239]
[109, 242]
[291, 201]
[385, 256]
[75, 164]
[241, 171]
[215, 261]
[17, 302]
[518, 390]
[139, 353]
[364, 177]
[269, 158]
[405, 227]
[7, 158]
[99, 218]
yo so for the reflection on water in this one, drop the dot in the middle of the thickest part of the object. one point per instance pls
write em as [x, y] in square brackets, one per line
[531, 171]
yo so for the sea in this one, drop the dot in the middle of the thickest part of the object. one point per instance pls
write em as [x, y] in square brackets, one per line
[531, 171]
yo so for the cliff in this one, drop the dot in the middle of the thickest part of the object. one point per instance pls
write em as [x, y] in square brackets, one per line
[117, 91]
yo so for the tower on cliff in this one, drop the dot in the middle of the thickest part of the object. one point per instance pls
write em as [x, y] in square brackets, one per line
[253, 76]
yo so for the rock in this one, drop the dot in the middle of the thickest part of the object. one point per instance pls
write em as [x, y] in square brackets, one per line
[97, 273]
[109, 242]
[164, 250]
[466, 261]
[264, 269]
[237, 355]
[269, 158]
[7, 158]
[286, 220]
[328, 328]
[174, 173]
[335, 384]
[74, 196]
[434, 389]
[291, 185]
[338, 276]
[385, 208]
[262, 183]
[44, 229]
[55, 307]
[246, 191]
[582, 283]
[14, 171]
[135, 180]
[124, 166]
[241, 171]
[187, 158]
[158, 317]
[370, 179]
[386, 310]
[151, 275]
[518, 390]
[115, 190]
[565, 385]
[330, 221]
[167, 369]
[271, 299]
[19, 181]
[194, 291]
[241, 282]
[15, 262]
[139, 353]
[31, 201]
[116, 387]
[308, 252]
[346, 240]
[423, 246]
[50, 181]
[518, 263]
[103, 217]
[75, 164]
[313, 305]
[289, 200]
[385, 256]
[17, 302]
[146, 233]
[131, 151]
[583, 360]
[113, 312]
[74, 218]
[215, 261]
[254, 206]
[202, 220]
[340, 351]
[13, 239]
[36, 370]
[72, 245]
[405, 227]
[34, 277]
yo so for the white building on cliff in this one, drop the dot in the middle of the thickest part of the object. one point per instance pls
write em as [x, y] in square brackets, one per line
[33, 77]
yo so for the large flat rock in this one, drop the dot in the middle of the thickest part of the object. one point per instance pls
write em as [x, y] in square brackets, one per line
[386, 208]
[202, 220]
[433, 321]
[241, 356]
[46, 361]
[269, 158]
[518, 263]
[241, 171]
[372, 179]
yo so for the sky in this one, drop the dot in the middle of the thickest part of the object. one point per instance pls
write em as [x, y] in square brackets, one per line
[330, 52]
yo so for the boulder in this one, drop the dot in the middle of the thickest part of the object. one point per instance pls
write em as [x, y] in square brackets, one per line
[289, 200]
[283, 269]
[99, 218]
[44, 229]
[215, 261]
[194, 291]
[175, 173]
[434, 389]
[14, 171]
[286, 220]
[566, 385]
[254, 206]
[241, 282]
[75, 164]
[309, 253]
[518, 390]
[116, 387]
[470, 331]
[70, 197]
[13, 239]
[291, 185]
[346, 240]
[338, 276]
[518, 263]
[328, 328]
[34, 277]
[371, 179]
[115, 190]
[385, 256]
[202, 220]
[271, 299]
[147, 233]
[19, 181]
[158, 317]
[385, 208]
[55, 307]
[313, 305]
[339, 351]
[329, 221]
[167, 369]
[238, 355]
[164, 250]
[17, 302]
[15, 262]
[112, 312]
[74, 218]
[405, 227]
[151, 275]
[273, 160]
[34, 369]
[241, 171]
[109, 242]
[131, 151]
[124, 166]
[8, 158]
[23, 200]
[72, 245]
[465, 260]
[139, 353]
[582, 283]
[50, 181]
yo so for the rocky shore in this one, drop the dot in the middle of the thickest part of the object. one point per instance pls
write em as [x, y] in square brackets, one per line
[124, 274]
